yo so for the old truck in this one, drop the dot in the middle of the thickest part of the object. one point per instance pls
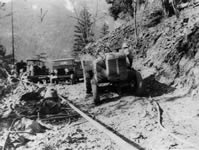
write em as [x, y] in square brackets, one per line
[66, 69]
[114, 70]
[37, 71]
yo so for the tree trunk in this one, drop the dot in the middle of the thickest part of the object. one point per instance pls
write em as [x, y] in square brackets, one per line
[135, 21]
[170, 8]
[176, 11]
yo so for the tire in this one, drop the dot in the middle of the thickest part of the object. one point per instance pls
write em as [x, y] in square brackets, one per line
[118, 89]
[139, 83]
[56, 81]
[72, 79]
[77, 80]
[96, 98]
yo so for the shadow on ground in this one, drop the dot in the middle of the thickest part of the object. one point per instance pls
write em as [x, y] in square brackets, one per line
[108, 100]
[153, 88]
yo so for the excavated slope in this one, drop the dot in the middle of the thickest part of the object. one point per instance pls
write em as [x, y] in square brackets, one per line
[168, 50]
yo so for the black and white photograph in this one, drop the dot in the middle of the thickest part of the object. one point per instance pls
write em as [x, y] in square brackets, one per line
[99, 74]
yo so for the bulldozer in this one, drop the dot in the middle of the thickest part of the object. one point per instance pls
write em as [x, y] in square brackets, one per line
[114, 70]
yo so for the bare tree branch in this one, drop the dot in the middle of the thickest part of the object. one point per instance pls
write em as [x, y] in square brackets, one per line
[75, 10]
[76, 18]
[42, 15]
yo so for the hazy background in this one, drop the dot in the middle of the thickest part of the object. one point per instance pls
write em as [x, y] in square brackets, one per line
[53, 35]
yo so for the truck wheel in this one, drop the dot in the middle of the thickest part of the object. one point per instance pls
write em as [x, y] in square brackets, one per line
[72, 79]
[118, 89]
[56, 81]
[77, 79]
[139, 83]
[94, 86]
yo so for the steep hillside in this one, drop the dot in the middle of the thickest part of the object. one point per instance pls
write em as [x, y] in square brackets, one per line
[165, 117]
[168, 50]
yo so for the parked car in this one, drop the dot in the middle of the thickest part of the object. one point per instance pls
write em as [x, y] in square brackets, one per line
[67, 69]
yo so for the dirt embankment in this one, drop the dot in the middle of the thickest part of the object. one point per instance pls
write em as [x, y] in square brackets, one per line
[166, 52]
[167, 47]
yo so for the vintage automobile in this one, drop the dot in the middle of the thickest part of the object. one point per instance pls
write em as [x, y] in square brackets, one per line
[37, 71]
[67, 69]
[21, 66]
[78, 70]
[114, 71]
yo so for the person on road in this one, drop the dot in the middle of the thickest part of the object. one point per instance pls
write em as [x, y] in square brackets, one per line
[127, 52]
[100, 68]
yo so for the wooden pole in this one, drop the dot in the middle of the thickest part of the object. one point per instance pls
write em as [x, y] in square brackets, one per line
[12, 24]
[124, 145]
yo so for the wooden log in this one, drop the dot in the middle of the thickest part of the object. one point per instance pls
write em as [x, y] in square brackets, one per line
[58, 117]
[123, 144]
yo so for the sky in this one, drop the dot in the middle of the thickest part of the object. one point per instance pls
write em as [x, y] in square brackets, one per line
[5, 1]
[54, 33]
[70, 5]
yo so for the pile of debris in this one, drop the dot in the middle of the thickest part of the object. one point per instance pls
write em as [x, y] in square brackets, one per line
[44, 104]
[43, 100]
[28, 113]
[4, 86]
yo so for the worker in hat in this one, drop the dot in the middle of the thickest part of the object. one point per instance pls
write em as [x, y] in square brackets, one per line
[126, 50]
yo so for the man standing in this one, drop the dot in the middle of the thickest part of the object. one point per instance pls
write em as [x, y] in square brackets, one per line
[97, 68]
[87, 66]
[126, 50]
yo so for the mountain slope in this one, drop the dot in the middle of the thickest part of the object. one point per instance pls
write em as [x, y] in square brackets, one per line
[160, 50]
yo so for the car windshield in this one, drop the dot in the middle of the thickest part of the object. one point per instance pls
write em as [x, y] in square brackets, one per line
[63, 62]
[35, 62]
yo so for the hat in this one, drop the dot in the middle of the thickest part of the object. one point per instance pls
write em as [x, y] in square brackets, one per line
[125, 45]
[51, 92]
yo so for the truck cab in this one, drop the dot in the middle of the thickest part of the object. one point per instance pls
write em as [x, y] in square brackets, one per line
[67, 69]
[37, 71]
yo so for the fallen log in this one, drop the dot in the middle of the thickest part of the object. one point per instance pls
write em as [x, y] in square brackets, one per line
[121, 142]
[20, 132]
[58, 117]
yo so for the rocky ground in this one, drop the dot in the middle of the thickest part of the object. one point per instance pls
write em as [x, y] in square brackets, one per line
[165, 117]
[135, 118]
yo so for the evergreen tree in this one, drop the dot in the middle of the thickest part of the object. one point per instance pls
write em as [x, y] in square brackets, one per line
[2, 5]
[104, 30]
[83, 31]
[2, 50]
[125, 9]
[5, 60]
